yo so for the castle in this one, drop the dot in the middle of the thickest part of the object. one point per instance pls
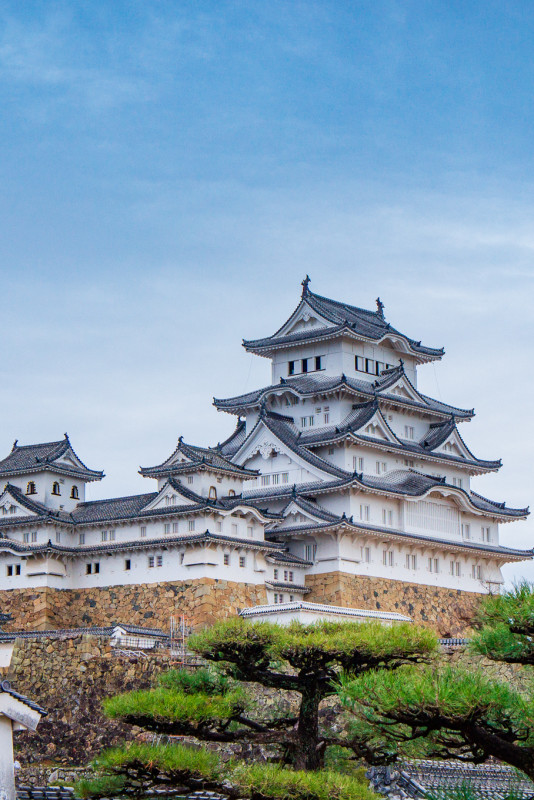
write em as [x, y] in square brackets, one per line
[342, 484]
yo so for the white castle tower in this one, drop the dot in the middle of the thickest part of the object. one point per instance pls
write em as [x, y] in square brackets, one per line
[371, 477]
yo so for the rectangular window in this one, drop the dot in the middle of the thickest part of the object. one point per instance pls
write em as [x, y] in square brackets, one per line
[276, 479]
[387, 517]
[304, 364]
[218, 526]
[112, 536]
[380, 366]
[331, 451]
[477, 572]
[318, 362]
[88, 569]
[96, 568]
[361, 464]
[182, 556]
[242, 561]
[104, 536]
[175, 527]
[387, 558]
[17, 569]
[265, 480]
[365, 512]
[408, 462]
[359, 364]
[291, 368]
[167, 527]
[250, 531]
[285, 575]
[150, 562]
[433, 564]
[81, 538]
[190, 478]
[234, 528]
[326, 417]
[381, 467]
[26, 538]
[159, 561]
[191, 525]
[310, 551]
[486, 534]
[290, 576]
[366, 554]
[455, 568]
[411, 562]
[409, 432]
[466, 531]
[285, 477]
[9, 570]
[312, 420]
[303, 422]
[34, 536]
[275, 574]
[142, 531]
[226, 559]
[127, 564]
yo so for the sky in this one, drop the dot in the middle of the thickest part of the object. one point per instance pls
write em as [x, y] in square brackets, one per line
[170, 171]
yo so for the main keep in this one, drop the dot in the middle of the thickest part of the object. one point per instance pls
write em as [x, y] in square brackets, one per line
[341, 485]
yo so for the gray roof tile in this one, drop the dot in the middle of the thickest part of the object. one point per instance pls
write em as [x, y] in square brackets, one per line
[25, 459]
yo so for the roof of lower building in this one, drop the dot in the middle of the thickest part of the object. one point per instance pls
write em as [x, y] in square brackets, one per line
[320, 608]
[5, 686]
[108, 631]
[311, 385]
[188, 458]
[341, 318]
[54, 456]
[422, 778]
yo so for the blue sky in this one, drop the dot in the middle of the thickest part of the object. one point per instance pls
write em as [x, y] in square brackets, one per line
[170, 171]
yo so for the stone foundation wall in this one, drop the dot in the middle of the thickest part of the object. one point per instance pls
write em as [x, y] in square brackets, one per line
[449, 612]
[149, 605]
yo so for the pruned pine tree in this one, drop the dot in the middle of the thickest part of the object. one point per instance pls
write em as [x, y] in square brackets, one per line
[458, 711]
[220, 706]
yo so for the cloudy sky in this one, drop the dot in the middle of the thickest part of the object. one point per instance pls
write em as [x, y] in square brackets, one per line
[171, 170]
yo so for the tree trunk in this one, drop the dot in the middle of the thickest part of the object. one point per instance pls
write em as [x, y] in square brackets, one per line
[309, 752]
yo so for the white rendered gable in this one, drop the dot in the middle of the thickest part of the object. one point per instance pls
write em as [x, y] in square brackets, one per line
[10, 507]
[403, 388]
[378, 428]
[260, 446]
[294, 513]
[304, 318]
[453, 446]
[167, 497]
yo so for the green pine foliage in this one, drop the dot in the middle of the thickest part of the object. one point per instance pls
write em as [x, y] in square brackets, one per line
[454, 711]
[140, 767]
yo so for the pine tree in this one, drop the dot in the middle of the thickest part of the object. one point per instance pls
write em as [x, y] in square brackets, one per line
[458, 711]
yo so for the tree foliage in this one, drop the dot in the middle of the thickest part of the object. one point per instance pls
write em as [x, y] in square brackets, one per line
[458, 711]
[302, 659]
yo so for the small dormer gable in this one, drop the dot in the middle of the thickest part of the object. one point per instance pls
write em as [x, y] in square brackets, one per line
[377, 428]
[13, 504]
[173, 495]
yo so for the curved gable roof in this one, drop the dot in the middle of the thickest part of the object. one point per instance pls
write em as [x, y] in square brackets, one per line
[30, 458]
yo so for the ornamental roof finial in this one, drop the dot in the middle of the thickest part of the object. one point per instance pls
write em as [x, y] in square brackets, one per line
[380, 308]
[305, 283]
[14, 444]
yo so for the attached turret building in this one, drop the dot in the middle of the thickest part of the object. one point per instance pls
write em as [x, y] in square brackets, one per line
[342, 484]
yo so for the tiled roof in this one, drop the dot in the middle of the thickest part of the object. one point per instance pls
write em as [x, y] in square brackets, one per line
[138, 544]
[58, 633]
[235, 440]
[114, 508]
[195, 459]
[289, 559]
[5, 686]
[342, 317]
[311, 385]
[284, 530]
[320, 608]
[26, 459]
[292, 587]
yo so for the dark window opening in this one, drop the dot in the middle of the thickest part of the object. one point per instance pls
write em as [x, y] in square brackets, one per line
[291, 368]
[318, 362]
[55, 488]
[30, 488]
[96, 567]
[127, 564]
[74, 493]
[304, 365]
